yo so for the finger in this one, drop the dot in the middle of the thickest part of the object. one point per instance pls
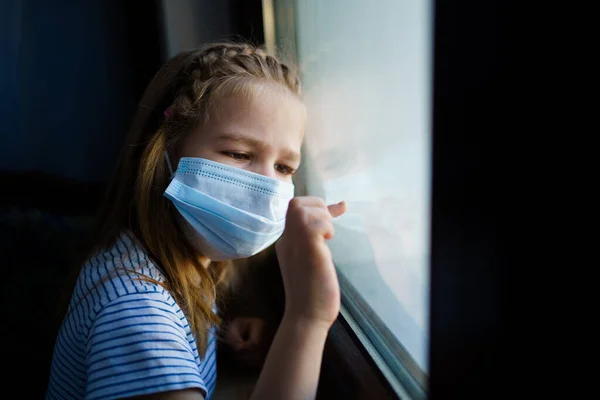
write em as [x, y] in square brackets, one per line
[247, 326]
[337, 209]
[235, 332]
[307, 201]
[235, 343]
[320, 223]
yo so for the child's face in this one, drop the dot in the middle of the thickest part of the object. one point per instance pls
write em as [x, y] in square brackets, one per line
[261, 133]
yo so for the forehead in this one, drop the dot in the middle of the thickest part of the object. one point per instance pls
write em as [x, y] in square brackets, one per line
[266, 112]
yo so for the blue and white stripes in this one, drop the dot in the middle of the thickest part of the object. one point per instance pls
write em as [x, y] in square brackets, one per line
[123, 336]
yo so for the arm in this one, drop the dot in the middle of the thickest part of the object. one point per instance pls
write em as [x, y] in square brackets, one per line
[291, 370]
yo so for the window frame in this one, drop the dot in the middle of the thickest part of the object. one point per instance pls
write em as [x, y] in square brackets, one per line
[384, 348]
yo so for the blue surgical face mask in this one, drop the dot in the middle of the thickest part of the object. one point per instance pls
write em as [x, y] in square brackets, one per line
[229, 212]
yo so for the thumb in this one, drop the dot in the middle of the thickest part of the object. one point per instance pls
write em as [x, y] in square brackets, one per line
[233, 332]
[337, 209]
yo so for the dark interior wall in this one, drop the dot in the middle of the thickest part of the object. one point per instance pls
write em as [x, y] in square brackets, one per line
[180, 27]
[67, 71]
[220, 20]
[71, 74]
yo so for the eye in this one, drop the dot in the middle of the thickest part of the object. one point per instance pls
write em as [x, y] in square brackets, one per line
[237, 156]
[284, 169]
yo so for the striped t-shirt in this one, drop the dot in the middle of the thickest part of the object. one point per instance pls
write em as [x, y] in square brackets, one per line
[123, 336]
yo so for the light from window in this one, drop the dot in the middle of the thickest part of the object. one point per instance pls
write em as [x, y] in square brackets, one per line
[366, 72]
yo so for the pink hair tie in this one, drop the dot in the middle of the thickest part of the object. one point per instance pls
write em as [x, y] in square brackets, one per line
[168, 112]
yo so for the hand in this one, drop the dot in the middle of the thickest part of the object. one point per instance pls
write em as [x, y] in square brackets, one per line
[311, 286]
[245, 337]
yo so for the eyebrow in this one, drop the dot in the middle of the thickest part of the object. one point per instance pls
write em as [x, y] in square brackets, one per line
[288, 153]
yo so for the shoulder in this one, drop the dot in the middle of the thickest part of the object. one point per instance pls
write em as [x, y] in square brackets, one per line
[134, 339]
[143, 308]
[122, 269]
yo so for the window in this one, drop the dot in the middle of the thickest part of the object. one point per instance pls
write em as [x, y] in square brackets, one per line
[366, 73]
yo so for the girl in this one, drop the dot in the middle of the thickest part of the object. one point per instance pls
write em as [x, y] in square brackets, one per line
[205, 177]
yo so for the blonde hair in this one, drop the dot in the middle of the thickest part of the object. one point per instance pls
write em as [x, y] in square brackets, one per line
[185, 86]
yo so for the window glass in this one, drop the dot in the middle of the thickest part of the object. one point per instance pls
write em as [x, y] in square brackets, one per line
[366, 73]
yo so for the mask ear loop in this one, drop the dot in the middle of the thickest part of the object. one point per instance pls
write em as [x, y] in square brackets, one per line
[167, 114]
[169, 164]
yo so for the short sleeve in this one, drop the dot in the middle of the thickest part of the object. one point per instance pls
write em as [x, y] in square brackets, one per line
[138, 345]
